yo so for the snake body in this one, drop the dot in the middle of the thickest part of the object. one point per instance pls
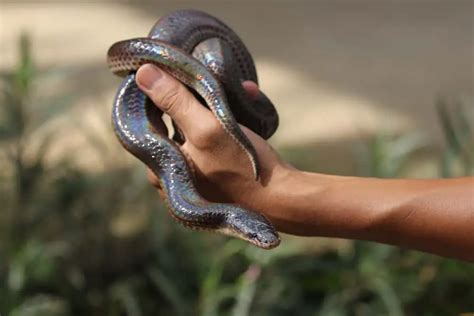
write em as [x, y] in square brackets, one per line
[207, 56]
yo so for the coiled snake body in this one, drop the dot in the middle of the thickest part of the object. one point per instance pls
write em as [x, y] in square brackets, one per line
[207, 56]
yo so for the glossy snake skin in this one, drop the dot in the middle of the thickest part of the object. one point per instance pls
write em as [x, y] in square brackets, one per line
[212, 61]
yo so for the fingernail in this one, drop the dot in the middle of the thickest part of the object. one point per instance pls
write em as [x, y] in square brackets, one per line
[148, 75]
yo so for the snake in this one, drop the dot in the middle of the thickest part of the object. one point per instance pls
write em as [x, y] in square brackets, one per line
[210, 59]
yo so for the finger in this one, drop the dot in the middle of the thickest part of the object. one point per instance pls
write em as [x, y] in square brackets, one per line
[173, 98]
[155, 119]
[251, 88]
[153, 179]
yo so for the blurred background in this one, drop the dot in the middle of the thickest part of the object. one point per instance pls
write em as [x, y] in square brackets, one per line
[367, 88]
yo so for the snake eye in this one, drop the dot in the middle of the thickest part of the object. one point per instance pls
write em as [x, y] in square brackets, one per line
[252, 235]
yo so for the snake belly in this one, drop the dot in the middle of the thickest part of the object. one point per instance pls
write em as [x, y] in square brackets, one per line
[202, 53]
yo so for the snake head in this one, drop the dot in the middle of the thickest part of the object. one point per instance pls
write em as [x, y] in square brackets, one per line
[252, 227]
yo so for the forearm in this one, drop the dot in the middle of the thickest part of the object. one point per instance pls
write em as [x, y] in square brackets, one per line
[430, 215]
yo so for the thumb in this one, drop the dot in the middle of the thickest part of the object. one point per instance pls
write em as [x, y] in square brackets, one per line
[172, 97]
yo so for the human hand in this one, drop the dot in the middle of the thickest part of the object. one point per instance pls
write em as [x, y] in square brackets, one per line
[223, 172]
[404, 212]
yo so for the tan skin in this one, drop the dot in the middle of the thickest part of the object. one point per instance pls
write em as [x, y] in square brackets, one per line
[435, 216]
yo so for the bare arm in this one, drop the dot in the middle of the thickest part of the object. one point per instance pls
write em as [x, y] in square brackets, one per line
[436, 216]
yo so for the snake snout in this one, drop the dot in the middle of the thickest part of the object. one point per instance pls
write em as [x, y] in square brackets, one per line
[254, 228]
[267, 239]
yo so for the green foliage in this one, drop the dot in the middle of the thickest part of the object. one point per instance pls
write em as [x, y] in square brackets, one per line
[458, 158]
[386, 155]
[61, 253]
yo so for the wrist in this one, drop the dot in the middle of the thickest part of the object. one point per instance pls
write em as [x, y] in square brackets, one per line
[312, 204]
[293, 201]
[409, 213]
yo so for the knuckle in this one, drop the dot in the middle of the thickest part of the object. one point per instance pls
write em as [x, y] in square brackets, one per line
[214, 128]
[170, 99]
[209, 136]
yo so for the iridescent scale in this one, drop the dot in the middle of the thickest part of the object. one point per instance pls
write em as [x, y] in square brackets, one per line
[210, 59]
